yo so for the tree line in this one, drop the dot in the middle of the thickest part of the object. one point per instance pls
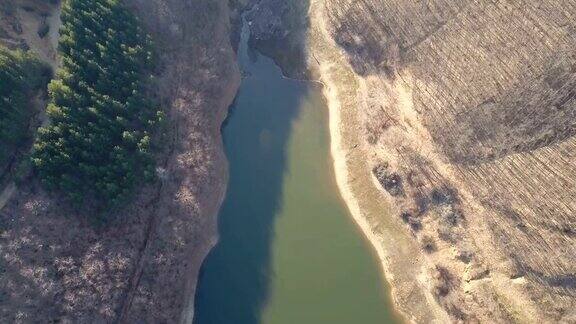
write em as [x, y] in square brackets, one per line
[97, 145]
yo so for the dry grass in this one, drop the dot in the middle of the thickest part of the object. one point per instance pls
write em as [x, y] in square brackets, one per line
[475, 98]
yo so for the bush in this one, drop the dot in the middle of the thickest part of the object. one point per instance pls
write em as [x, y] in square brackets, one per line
[97, 145]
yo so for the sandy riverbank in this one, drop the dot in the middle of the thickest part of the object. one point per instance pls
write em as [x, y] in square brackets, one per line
[402, 261]
[480, 196]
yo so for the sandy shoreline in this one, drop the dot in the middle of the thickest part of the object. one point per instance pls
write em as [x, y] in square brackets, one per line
[403, 264]
[342, 175]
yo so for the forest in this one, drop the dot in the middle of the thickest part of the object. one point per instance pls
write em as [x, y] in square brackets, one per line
[20, 75]
[96, 147]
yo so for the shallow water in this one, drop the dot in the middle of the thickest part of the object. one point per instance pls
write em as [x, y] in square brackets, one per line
[288, 250]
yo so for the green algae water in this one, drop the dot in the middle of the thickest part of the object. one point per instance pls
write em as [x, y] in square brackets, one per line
[288, 253]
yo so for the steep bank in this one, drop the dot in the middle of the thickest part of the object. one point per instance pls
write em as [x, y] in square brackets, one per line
[142, 266]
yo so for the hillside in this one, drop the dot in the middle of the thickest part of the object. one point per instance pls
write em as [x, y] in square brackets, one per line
[458, 118]
[57, 266]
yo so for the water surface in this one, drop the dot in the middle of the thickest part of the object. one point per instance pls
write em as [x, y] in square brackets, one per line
[289, 253]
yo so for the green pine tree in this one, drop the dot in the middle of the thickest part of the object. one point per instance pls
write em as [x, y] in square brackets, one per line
[97, 144]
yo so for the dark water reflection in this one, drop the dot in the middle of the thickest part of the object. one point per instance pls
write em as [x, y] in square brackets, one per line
[288, 252]
[255, 138]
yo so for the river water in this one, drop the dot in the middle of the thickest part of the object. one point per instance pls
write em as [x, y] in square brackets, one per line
[289, 253]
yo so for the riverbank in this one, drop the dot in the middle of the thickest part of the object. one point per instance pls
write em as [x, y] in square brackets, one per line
[143, 265]
[213, 202]
[277, 143]
[401, 258]
[196, 167]
[470, 152]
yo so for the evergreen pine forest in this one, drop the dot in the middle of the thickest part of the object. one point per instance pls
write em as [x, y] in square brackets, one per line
[96, 147]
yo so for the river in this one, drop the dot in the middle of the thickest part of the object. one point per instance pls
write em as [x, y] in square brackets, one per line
[289, 253]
